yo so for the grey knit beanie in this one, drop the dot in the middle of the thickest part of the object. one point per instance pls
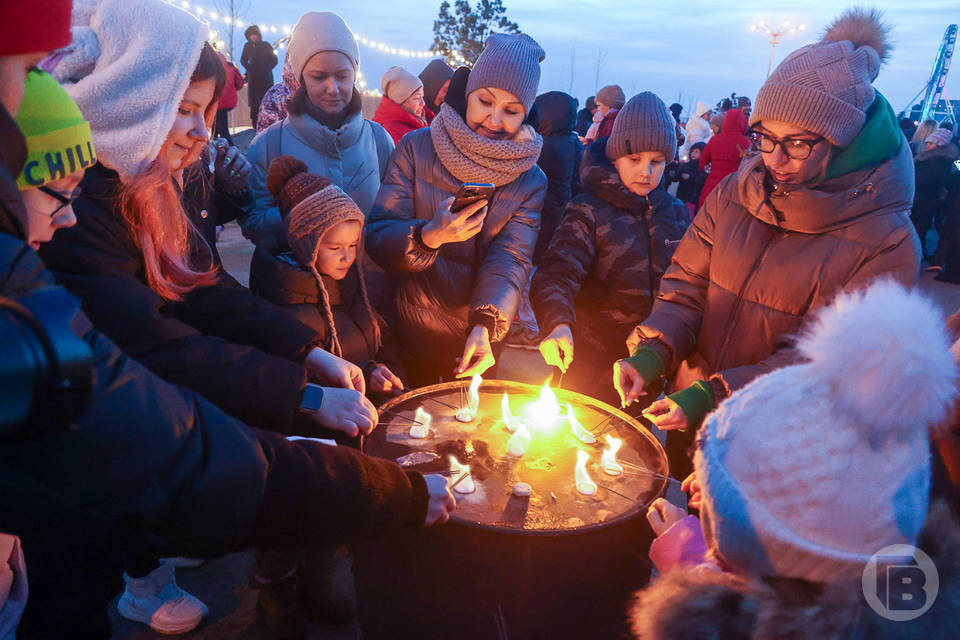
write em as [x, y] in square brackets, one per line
[398, 84]
[510, 62]
[827, 87]
[612, 96]
[643, 124]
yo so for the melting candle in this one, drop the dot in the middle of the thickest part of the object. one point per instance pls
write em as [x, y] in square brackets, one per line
[469, 412]
[579, 431]
[608, 460]
[421, 430]
[509, 421]
[585, 485]
[462, 484]
[519, 442]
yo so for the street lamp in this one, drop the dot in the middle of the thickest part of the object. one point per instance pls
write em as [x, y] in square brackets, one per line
[784, 29]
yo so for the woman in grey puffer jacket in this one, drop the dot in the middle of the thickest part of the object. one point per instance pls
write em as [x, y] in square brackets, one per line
[461, 275]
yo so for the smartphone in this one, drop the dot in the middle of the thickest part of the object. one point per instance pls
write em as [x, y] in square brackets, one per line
[956, 163]
[472, 192]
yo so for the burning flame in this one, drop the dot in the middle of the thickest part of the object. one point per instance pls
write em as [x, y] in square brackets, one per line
[544, 413]
[519, 442]
[585, 485]
[508, 418]
[609, 458]
[421, 430]
[469, 412]
[462, 484]
[579, 430]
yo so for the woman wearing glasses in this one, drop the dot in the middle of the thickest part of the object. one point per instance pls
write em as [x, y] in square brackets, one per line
[820, 209]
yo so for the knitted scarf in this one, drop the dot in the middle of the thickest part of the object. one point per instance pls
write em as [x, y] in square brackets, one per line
[472, 158]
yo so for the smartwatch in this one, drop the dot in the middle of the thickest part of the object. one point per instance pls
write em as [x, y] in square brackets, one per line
[312, 398]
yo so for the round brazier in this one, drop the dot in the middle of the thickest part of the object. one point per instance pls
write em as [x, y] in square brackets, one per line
[558, 563]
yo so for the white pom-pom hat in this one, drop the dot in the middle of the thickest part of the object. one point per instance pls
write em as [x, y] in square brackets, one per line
[811, 469]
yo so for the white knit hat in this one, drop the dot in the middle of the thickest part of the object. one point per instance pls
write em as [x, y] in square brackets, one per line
[702, 108]
[398, 84]
[318, 31]
[809, 470]
[940, 136]
[128, 67]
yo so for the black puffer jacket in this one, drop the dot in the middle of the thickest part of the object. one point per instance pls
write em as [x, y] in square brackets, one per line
[150, 465]
[602, 271]
[238, 351]
[559, 159]
[280, 280]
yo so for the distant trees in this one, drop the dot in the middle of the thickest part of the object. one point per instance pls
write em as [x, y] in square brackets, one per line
[464, 31]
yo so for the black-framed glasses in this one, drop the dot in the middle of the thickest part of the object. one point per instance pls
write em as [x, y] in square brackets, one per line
[793, 148]
[64, 200]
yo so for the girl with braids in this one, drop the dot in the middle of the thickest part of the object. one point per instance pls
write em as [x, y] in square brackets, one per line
[319, 280]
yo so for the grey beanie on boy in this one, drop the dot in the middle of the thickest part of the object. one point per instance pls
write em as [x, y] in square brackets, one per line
[510, 62]
[643, 124]
[827, 87]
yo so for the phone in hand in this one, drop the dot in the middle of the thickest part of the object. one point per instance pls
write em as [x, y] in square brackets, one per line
[472, 192]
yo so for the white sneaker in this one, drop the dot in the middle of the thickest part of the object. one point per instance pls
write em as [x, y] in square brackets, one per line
[185, 563]
[157, 601]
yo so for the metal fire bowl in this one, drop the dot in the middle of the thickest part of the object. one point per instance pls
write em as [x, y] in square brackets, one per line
[555, 506]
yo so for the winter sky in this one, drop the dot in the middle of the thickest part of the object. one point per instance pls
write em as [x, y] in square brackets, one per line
[681, 51]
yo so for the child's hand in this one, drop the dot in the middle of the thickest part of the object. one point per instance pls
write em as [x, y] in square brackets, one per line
[662, 515]
[384, 382]
[557, 348]
[691, 485]
[666, 414]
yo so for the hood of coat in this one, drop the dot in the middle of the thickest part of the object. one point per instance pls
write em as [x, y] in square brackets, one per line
[282, 281]
[557, 113]
[433, 76]
[389, 111]
[734, 123]
[600, 178]
[13, 155]
[832, 204]
[702, 601]
[326, 140]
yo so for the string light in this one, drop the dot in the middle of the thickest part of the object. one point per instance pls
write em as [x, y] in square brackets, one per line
[211, 16]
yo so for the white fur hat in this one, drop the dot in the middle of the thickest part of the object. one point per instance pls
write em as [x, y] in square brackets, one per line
[702, 108]
[809, 470]
[127, 69]
[318, 31]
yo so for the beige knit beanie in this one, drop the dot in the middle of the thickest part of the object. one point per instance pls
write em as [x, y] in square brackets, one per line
[827, 87]
[643, 124]
[509, 61]
[398, 84]
[612, 96]
[311, 205]
[318, 31]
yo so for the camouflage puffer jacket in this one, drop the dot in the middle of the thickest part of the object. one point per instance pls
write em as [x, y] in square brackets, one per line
[602, 270]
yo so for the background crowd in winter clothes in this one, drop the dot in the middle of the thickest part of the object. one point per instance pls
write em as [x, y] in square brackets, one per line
[742, 277]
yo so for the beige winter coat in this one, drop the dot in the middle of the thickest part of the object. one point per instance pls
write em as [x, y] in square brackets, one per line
[750, 268]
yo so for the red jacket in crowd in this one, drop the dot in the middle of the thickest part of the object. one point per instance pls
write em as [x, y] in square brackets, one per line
[398, 121]
[724, 151]
[228, 99]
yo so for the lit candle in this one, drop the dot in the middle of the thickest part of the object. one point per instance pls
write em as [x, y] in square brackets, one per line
[422, 430]
[608, 460]
[585, 485]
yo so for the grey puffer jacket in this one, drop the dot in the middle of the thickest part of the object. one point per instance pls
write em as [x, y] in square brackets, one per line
[752, 267]
[442, 293]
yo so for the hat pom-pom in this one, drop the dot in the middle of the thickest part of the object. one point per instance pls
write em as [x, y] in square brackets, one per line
[281, 171]
[885, 354]
[864, 28]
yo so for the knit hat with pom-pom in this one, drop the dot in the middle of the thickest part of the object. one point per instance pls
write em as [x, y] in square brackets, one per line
[808, 471]
[827, 87]
[311, 205]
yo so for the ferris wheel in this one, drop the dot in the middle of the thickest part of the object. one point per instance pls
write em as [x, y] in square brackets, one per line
[933, 92]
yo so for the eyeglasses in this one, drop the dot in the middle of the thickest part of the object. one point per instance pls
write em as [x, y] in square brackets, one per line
[793, 148]
[65, 201]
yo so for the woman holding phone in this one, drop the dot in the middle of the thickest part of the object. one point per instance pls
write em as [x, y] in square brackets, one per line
[461, 271]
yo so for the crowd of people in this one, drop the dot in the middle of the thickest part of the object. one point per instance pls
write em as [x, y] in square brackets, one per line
[743, 280]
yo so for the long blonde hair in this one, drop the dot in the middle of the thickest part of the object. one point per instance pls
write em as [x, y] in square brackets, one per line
[154, 212]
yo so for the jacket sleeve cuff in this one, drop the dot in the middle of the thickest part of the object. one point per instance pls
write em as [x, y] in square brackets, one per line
[682, 545]
[420, 500]
[696, 401]
[417, 235]
[487, 316]
[648, 363]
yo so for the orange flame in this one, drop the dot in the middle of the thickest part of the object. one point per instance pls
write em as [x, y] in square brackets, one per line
[469, 412]
[509, 420]
[544, 413]
[462, 484]
[585, 484]
[519, 442]
[421, 430]
[578, 429]
[608, 461]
